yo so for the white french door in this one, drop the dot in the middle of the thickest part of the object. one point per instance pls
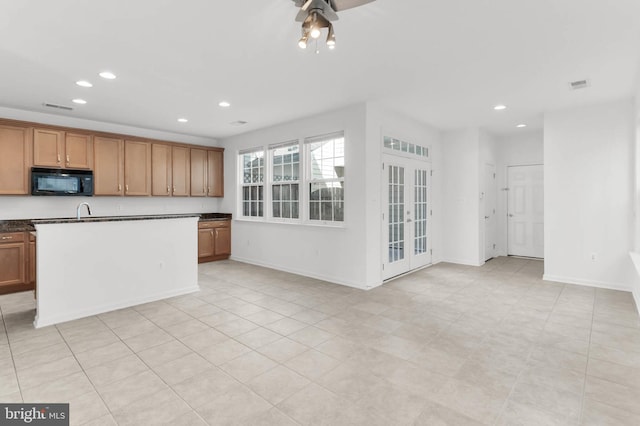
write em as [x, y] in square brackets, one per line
[406, 215]
[525, 211]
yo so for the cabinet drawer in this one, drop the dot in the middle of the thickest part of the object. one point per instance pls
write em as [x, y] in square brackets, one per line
[214, 224]
[11, 237]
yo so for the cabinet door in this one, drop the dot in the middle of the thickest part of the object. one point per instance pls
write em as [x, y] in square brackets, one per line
[12, 263]
[181, 171]
[160, 169]
[48, 148]
[198, 172]
[205, 242]
[108, 166]
[78, 150]
[32, 262]
[215, 178]
[137, 168]
[15, 160]
[222, 238]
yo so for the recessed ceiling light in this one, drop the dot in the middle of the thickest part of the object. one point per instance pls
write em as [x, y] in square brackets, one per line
[224, 104]
[500, 107]
[84, 83]
[182, 120]
[79, 101]
[108, 75]
[520, 126]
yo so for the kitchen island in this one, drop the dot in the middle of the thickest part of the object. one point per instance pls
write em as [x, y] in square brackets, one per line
[95, 265]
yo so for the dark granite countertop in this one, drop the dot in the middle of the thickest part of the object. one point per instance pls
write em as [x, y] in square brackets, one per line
[21, 225]
[27, 225]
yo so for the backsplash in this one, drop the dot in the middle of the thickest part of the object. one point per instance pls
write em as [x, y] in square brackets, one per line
[32, 207]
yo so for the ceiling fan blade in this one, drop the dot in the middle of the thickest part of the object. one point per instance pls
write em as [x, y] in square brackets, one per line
[339, 5]
[307, 4]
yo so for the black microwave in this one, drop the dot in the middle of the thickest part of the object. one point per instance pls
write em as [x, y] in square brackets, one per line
[61, 182]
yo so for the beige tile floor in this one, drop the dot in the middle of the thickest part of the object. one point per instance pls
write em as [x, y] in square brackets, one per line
[448, 345]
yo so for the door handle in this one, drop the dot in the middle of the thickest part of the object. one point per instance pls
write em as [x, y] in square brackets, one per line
[486, 217]
[510, 215]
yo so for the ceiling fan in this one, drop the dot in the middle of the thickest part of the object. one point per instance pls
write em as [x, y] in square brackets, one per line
[318, 14]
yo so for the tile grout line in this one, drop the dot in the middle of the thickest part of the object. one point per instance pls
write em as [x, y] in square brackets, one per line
[13, 361]
[586, 371]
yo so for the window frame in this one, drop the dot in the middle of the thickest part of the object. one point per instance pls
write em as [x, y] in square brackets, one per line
[300, 181]
[304, 182]
[309, 180]
[243, 185]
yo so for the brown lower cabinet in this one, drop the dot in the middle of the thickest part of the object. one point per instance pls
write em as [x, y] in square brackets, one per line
[17, 262]
[214, 240]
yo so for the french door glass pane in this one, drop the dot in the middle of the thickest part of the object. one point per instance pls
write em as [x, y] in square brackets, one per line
[396, 213]
[420, 208]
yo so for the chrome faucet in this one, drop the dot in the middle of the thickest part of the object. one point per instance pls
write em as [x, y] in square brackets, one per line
[80, 207]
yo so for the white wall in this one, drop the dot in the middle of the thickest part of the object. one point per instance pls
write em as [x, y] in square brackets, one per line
[589, 199]
[335, 254]
[29, 207]
[38, 207]
[351, 255]
[383, 122]
[524, 148]
[461, 197]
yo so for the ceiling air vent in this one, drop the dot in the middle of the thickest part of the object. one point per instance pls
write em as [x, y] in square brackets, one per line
[238, 123]
[66, 108]
[578, 84]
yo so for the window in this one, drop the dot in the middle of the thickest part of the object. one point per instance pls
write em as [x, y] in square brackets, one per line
[252, 183]
[325, 162]
[285, 180]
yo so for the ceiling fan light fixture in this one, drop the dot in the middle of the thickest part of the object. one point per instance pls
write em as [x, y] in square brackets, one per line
[302, 43]
[331, 38]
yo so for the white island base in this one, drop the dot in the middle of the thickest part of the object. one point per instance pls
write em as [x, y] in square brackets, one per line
[90, 267]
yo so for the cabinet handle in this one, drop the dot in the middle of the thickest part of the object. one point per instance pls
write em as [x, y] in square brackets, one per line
[126, 188]
[119, 187]
[68, 158]
[174, 189]
[208, 190]
[7, 238]
[168, 191]
[58, 158]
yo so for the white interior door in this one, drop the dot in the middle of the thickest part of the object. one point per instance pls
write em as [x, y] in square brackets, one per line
[406, 215]
[489, 201]
[525, 211]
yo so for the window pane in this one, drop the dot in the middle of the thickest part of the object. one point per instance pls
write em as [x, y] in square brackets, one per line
[276, 192]
[326, 211]
[294, 211]
[314, 210]
[314, 191]
[338, 212]
[276, 209]
[286, 192]
[287, 172]
[294, 192]
[286, 209]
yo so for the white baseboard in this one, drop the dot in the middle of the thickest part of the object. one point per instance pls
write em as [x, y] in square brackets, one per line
[636, 297]
[323, 277]
[95, 310]
[461, 261]
[588, 283]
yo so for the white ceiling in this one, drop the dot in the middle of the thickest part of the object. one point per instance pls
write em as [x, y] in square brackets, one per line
[446, 63]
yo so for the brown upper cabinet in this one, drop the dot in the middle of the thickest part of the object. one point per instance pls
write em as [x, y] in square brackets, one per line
[133, 167]
[108, 171]
[137, 168]
[215, 173]
[181, 167]
[207, 173]
[170, 170]
[55, 148]
[15, 159]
